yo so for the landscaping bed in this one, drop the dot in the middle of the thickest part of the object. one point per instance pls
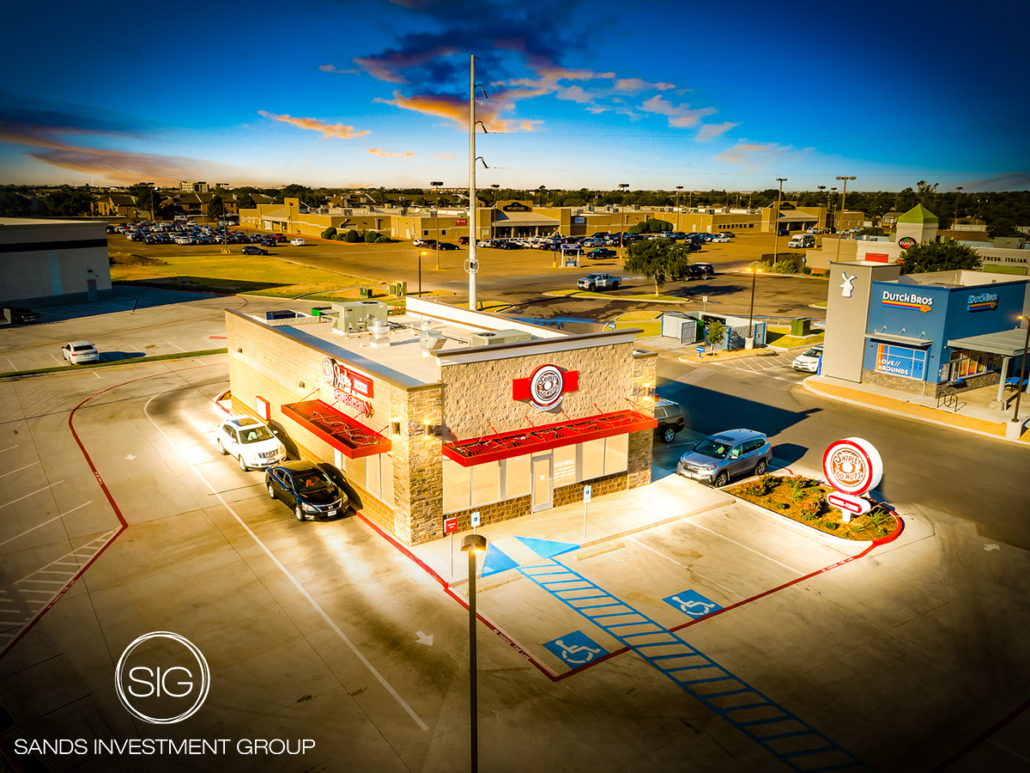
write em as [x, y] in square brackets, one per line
[804, 500]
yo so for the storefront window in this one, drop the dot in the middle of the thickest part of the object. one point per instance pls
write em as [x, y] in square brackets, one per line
[516, 477]
[386, 478]
[372, 481]
[486, 483]
[456, 486]
[616, 454]
[593, 459]
[564, 466]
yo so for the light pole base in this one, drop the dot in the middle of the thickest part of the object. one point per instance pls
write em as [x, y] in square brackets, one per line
[1014, 428]
[749, 343]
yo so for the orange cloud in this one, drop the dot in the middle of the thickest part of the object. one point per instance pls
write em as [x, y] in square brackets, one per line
[680, 116]
[456, 109]
[709, 131]
[384, 154]
[313, 124]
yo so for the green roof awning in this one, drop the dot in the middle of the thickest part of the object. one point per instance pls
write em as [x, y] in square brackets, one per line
[918, 214]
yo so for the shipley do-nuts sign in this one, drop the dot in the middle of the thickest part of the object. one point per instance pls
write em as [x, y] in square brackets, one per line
[853, 467]
[546, 387]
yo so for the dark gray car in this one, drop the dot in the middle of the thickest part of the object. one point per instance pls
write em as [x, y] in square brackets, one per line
[718, 458]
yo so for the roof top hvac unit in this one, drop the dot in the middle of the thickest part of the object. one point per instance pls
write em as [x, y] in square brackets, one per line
[355, 317]
[498, 337]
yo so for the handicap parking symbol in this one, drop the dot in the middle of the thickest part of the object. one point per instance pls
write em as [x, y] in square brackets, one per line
[692, 604]
[576, 649]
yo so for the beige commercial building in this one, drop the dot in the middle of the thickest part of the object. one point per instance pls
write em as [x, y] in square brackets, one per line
[46, 262]
[444, 412]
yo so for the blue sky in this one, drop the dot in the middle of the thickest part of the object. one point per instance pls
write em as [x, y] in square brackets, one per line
[582, 94]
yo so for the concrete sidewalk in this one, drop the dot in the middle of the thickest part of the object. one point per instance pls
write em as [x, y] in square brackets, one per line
[971, 419]
[608, 519]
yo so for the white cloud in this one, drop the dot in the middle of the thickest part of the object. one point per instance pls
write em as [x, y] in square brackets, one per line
[710, 131]
[680, 116]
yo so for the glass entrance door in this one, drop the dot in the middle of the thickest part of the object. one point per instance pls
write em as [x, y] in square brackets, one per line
[542, 482]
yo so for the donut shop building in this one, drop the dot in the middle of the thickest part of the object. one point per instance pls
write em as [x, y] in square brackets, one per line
[443, 412]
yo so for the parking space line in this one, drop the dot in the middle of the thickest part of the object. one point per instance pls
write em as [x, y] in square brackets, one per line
[671, 666]
[11, 363]
[9, 448]
[289, 575]
[174, 346]
[32, 493]
[739, 545]
[688, 568]
[19, 469]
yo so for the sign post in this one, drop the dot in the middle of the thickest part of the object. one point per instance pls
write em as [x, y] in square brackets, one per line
[475, 521]
[700, 351]
[586, 501]
[450, 525]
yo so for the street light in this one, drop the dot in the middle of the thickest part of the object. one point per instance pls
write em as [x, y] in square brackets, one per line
[436, 217]
[821, 189]
[958, 195]
[420, 254]
[776, 225]
[843, 203]
[679, 214]
[751, 314]
[472, 544]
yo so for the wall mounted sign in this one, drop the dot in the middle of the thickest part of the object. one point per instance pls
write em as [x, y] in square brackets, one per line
[982, 302]
[515, 207]
[349, 388]
[923, 303]
[900, 361]
[461, 221]
[546, 387]
[877, 257]
[848, 287]
[906, 241]
[852, 466]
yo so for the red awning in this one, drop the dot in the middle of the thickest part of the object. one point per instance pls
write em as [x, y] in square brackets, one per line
[525, 441]
[352, 438]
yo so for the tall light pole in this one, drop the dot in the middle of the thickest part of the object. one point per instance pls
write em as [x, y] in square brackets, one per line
[436, 216]
[622, 231]
[843, 203]
[679, 214]
[152, 201]
[776, 225]
[1022, 368]
[751, 314]
[958, 195]
[472, 544]
[821, 189]
[473, 266]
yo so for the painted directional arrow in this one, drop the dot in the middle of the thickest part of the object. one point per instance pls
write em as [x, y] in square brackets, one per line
[423, 639]
[129, 457]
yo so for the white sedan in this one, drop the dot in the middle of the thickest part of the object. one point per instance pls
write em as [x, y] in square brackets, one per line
[809, 361]
[252, 443]
[720, 239]
[297, 242]
[78, 352]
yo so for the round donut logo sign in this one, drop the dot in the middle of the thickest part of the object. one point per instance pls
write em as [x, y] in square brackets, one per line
[162, 678]
[852, 466]
[546, 386]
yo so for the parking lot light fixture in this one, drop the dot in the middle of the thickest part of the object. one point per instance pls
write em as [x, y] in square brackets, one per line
[843, 203]
[473, 544]
[420, 254]
[776, 220]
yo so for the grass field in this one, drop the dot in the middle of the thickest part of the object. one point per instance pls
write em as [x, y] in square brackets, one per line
[235, 273]
[648, 321]
[780, 336]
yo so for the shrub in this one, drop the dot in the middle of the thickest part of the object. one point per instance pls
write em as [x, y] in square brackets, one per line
[754, 488]
[353, 237]
[760, 265]
[770, 481]
[806, 270]
[785, 267]
[813, 508]
[339, 236]
[329, 233]
[797, 484]
[370, 237]
[383, 239]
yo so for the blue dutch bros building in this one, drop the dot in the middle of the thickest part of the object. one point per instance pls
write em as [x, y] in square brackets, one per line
[920, 332]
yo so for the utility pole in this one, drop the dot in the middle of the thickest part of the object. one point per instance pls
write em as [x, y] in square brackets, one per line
[436, 187]
[958, 195]
[776, 225]
[679, 215]
[843, 203]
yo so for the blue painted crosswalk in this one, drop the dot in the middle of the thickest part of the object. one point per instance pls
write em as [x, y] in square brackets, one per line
[780, 732]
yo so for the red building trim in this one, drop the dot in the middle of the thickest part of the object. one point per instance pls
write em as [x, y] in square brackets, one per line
[349, 436]
[505, 445]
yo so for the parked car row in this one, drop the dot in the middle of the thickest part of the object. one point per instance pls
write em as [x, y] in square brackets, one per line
[19, 314]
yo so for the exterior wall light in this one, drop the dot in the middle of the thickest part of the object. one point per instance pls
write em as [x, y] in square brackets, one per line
[300, 384]
[239, 350]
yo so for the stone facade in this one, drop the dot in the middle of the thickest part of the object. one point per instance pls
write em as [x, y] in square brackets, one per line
[926, 388]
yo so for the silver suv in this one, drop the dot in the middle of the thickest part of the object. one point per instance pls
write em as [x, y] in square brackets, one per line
[720, 457]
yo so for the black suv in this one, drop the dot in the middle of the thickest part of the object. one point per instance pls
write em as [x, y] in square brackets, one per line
[23, 314]
[307, 489]
[669, 416]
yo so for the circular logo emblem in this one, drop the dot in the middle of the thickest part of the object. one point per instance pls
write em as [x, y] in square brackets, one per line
[852, 466]
[162, 678]
[545, 386]
[906, 242]
[329, 371]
